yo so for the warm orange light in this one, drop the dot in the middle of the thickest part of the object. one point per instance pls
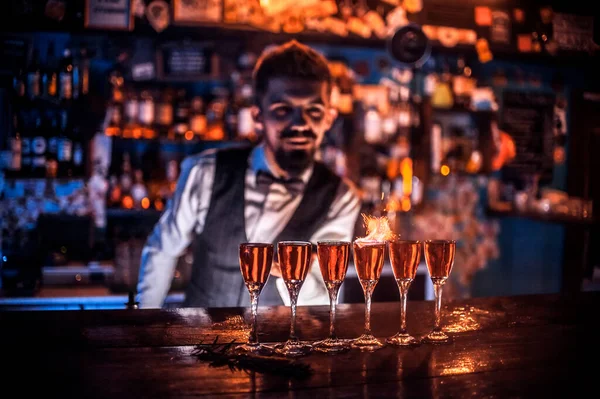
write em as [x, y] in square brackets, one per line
[406, 170]
[137, 133]
[445, 170]
[127, 202]
[406, 204]
[145, 203]
[189, 135]
[158, 205]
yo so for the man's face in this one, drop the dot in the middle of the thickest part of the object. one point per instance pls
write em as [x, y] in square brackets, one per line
[295, 114]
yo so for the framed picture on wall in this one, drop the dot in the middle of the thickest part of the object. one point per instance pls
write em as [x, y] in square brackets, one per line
[113, 15]
[190, 12]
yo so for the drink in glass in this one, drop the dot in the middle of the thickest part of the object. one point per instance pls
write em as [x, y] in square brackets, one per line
[368, 260]
[294, 261]
[255, 264]
[333, 262]
[404, 257]
[439, 256]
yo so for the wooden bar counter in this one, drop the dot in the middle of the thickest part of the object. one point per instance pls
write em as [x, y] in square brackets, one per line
[523, 346]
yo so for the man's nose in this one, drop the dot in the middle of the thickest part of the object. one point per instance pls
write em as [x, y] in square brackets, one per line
[299, 121]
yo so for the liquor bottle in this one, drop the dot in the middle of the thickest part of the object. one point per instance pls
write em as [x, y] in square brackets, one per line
[146, 115]
[114, 192]
[76, 76]
[25, 122]
[78, 159]
[38, 146]
[65, 145]
[164, 113]
[215, 115]
[15, 148]
[245, 127]
[131, 127]
[182, 115]
[197, 117]
[19, 84]
[34, 76]
[53, 144]
[65, 76]
[442, 96]
[50, 74]
[372, 123]
[126, 182]
[231, 104]
[116, 82]
[139, 192]
[84, 71]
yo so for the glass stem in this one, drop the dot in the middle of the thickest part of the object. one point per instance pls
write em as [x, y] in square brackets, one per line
[293, 287]
[333, 288]
[437, 286]
[368, 292]
[403, 285]
[254, 306]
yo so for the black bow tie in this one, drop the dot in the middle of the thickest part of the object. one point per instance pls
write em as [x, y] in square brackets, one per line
[294, 185]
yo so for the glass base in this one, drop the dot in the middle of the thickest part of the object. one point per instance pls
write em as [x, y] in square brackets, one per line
[367, 342]
[402, 340]
[331, 345]
[437, 337]
[293, 348]
[254, 349]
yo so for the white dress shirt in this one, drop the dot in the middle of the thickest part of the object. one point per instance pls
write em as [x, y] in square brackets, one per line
[267, 211]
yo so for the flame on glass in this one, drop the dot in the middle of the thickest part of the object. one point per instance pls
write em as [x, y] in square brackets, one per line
[378, 229]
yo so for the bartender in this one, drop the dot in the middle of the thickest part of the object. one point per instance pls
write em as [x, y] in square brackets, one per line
[270, 192]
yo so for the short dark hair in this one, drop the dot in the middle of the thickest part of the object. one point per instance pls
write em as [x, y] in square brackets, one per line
[290, 60]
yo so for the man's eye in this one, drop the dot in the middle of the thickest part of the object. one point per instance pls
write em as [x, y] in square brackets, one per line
[281, 112]
[315, 112]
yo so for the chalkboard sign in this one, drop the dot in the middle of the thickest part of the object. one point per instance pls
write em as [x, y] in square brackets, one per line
[186, 61]
[528, 118]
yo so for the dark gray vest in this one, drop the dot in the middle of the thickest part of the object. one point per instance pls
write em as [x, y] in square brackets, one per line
[216, 280]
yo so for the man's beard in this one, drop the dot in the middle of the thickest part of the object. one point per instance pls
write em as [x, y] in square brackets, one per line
[295, 162]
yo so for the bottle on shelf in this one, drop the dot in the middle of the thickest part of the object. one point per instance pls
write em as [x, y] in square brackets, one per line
[197, 117]
[25, 122]
[65, 76]
[215, 115]
[50, 74]
[38, 146]
[146, 116]
[79, 154]
[19, 84]
[372, 123]
[65, 145]
[34, 76]
[126, 182]
[114, 192]
[245, 126]
[53, 144]
[164, 114]
[139, 192]
[181, 120]
[84, 72]
[15, 148]
[114, 109]
[131, 107]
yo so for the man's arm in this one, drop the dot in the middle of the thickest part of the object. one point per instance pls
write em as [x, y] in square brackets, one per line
[338, 226]
[183, 217]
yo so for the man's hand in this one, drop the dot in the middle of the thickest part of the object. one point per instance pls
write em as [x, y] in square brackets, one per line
[275, 269]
